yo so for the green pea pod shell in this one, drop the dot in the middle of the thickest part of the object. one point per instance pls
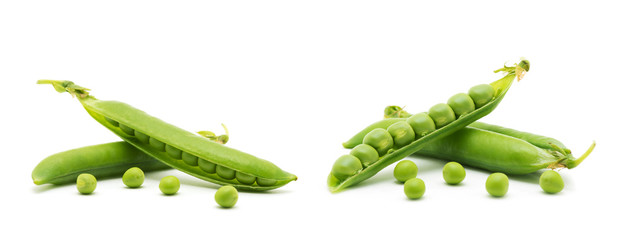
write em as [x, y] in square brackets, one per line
[168, 143]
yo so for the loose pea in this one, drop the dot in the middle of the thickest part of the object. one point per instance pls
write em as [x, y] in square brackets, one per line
[264, 182]
[86, 183]
[461, 104]
[245, 178]
[157, 144]
[225, 172]
[365, 153]
[345, 166]
[169, 185]
[173, 151]
[226, 196]
[133, 177]
[481, 94]
[189, 159]
[551, 182]
[402, 134]
[380, 139]
[414, 188]
[442, 114]
[405, 170]
[497, 184]
[206, 166]
[422, 124]
[453, 173]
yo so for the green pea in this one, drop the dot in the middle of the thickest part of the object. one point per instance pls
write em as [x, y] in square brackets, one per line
[114, 123]
[461, 104]
[173, 151]
[225, 172]
[497, 184]
[86, 183]
[264, 182]
[226, 196]
[157, 144]
[402, 134]
[414, 188]
[169, 185]
[206, 166]
[345, 166]
[189, 159]
[365, 153]
[481, 94]
[245, 178]
[141, 137]
[551, 182]
[453, 173]
[422, 124]
[405, 170]
[126, 129]
[442, 114]
[133, 177]
[380, 139]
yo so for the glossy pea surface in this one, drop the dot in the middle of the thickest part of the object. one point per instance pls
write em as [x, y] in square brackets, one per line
[551, 181]
[453, 173]
[497, 184]
[414, 188]
[133, 177]
[86, 183]
[421, 123]
[169, 185]
[461, 104]
[380, 139]
[226, 196]
[405, 170]
[365, 153]
[345, 166]
[442, 114]
[402, 134]
[481, 94]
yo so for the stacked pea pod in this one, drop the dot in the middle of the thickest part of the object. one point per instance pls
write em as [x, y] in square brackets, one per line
[384, 145]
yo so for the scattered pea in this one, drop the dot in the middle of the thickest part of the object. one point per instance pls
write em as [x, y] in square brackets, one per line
[405, 170]
[453, 173]
[133, 177]
[551, 182]
[226, 196]
[414, 188]
[497, 184]
[86, 183]
[345, 166]
[169, 185]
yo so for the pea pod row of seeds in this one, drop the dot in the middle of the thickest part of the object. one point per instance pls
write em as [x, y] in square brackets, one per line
[383, 146]
[493, 148]
[178, 148]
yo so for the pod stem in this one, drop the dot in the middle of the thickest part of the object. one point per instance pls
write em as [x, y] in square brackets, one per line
[519, 69]
[574, 163]
[396, 112]
[67, 86]
[222, 139]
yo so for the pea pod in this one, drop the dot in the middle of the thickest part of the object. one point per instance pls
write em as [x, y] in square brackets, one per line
[102, 161]
[492, 147]
[169, 144]
[448, 127]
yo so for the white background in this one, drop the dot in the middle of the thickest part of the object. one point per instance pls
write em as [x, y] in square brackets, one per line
[292, 80]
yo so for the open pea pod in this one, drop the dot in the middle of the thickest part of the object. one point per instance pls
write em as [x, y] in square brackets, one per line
[178, 148]
[351, 171]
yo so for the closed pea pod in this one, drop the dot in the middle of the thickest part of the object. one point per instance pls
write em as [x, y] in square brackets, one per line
[162, 134]
[446, 127]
